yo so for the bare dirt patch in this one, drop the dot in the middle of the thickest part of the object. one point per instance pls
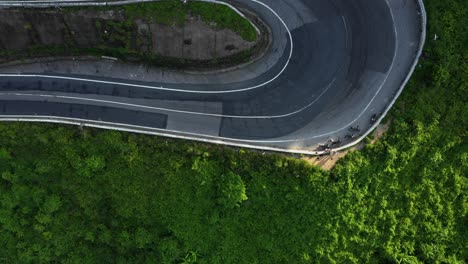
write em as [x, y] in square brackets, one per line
[327, 162]
[196, 41]
[26, 33]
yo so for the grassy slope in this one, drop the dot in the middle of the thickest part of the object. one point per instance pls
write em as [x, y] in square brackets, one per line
[174, 12]
[100, 196]
[121, 33]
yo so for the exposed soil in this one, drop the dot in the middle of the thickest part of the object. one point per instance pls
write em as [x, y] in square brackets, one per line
[327, 162]
[26, 33]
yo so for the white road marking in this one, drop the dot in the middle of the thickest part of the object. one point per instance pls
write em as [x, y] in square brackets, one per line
[76, 98]
[175, 89]
[219, 140]
[246, 117]
[149, 131]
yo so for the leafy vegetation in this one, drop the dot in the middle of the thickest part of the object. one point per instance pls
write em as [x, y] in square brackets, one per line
[119, 38]
[174, 13]
[90, 196]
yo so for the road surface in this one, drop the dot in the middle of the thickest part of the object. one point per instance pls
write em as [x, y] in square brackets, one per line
[332, 64]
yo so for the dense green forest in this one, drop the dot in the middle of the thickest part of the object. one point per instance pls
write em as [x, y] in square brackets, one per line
[91, 196]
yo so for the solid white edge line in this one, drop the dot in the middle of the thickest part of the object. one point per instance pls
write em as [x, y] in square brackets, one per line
[422, 41]
[166, 88]
[150, 131]
[19, 94]
[162, 88]
[421, 45]
[235, 10]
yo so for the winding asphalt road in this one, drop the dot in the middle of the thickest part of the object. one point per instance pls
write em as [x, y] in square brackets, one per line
[332, 64]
